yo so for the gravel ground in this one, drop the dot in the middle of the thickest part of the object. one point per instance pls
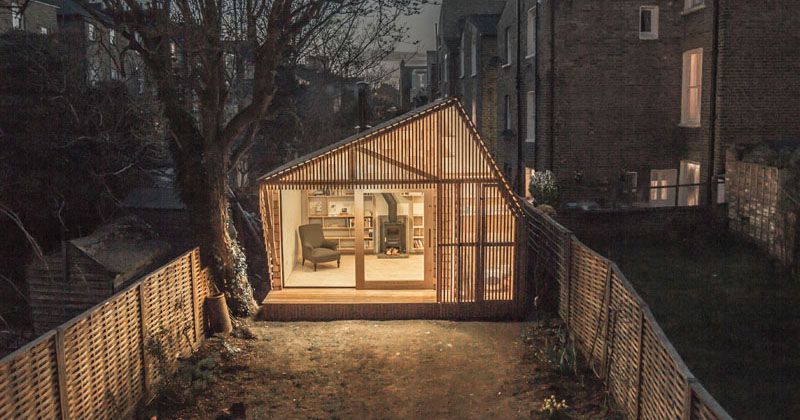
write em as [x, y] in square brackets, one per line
[386, 370]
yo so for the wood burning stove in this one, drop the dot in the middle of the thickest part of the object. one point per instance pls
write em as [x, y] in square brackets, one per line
[393, 232]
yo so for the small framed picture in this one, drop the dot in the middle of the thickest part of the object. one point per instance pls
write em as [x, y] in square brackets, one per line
[344, 210]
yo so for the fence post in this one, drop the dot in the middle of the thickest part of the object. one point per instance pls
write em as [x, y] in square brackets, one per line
[145, 356]
[61, 365]
[195, 303]
[639, 367]
[607, 302]
[568, 280]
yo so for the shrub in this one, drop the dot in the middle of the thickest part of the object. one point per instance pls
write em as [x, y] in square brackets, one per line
[544, 188]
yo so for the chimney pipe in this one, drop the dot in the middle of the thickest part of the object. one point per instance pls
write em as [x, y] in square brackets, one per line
[363, 89]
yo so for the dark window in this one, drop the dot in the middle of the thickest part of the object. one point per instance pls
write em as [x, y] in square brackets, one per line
[646, 24]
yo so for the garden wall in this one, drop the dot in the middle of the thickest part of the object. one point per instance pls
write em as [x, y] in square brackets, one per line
[632, 222]
[761, 210]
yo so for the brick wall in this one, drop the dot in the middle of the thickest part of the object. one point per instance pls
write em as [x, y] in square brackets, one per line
[480, 88]
[507, 140]
[759, 77]
[758, 209]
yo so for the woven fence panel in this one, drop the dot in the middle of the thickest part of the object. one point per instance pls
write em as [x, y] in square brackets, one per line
[614, 329]
[169, 316]
[29, 382]
[548, 249]
[104, 360]
[587, 299]
[623, 370]
[663, 388]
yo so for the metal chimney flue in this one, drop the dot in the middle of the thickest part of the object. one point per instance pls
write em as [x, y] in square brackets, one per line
[363, 106]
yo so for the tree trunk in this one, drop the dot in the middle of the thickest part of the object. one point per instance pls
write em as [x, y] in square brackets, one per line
[203, 184]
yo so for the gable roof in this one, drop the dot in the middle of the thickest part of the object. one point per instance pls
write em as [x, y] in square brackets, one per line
[436, 143]
[382, 126]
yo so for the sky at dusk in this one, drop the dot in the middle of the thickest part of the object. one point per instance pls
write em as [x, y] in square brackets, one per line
[422, 29]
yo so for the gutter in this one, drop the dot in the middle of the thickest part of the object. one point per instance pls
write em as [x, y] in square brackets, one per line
[520, 181]
[712, 141]
[552, 84]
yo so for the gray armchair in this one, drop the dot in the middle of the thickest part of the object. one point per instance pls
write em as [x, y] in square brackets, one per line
[316, 248]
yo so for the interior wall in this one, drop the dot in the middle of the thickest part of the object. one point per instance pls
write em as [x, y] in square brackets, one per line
[291, 219]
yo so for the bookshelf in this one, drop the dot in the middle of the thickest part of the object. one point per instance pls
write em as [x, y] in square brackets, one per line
[334, 211]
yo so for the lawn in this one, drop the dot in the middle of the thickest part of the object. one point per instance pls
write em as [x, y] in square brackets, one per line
[733, 317]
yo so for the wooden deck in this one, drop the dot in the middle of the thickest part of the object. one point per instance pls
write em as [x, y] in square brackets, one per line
[338, 304]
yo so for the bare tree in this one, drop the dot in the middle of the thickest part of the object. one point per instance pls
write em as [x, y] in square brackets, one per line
[182, 44]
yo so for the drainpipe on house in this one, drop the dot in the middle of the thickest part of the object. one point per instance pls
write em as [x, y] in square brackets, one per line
[712, 141]
[552, 84]
[537, 93]
[520, 181]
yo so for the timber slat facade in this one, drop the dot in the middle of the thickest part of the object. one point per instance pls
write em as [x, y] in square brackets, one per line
[435, 147]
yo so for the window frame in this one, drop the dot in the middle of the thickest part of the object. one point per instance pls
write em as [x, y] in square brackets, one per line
[17, 18]
[654, 17]
[664, 196]
[530, 34]
[507, 46]
[474, 53]
[690, 90]
[462, 64]
[693, 5]
[530, 114]
[91, 32]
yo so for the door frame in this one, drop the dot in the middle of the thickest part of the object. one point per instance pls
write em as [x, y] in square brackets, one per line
[429, 212]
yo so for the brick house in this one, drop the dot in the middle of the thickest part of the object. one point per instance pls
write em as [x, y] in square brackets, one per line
[103, 51]
[35, 16]
[619, 93]
[452, 18]
[477, 72]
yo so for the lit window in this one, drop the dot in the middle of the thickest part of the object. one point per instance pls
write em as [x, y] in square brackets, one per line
[507, 112]
[662, 187]
[16, 16]
[474, 50]
[689, 193]
[462, 63]
[507, 45]
[91, 34]
[531, 34]
[648, 22]
[112, 37]
[694, 4]
[530, 120]
[692, 88]
[43, 30]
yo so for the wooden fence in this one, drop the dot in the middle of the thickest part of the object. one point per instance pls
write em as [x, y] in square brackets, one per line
[613, 327]
[102, 363]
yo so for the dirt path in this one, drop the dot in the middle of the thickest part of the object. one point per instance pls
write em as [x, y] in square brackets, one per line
[398, 369]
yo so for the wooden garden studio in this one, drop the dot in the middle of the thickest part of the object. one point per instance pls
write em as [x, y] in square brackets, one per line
[423, 224]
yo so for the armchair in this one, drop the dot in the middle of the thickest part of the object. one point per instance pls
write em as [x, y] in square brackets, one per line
[316, 248]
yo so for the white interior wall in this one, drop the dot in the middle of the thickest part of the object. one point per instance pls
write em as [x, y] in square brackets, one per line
[291, 219]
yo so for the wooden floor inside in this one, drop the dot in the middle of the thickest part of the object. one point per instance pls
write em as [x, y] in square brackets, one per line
[325, 296]
[329, 304]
